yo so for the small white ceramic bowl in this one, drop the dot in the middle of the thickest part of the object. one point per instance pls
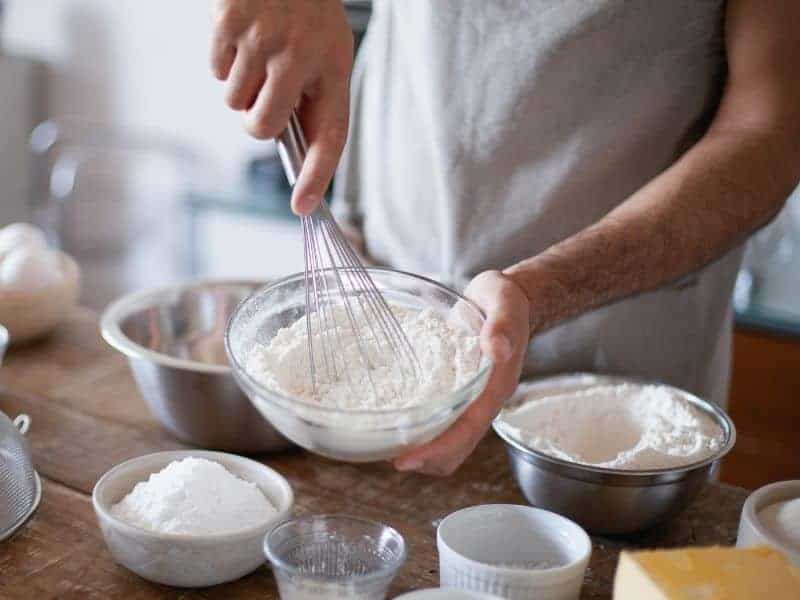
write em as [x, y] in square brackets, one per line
[752, 531]
[179, 559]
[29, 315]
[504, 549]
[444, 594]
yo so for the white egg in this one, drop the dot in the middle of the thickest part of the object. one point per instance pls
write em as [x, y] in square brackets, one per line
[29, 268]
[18, 235]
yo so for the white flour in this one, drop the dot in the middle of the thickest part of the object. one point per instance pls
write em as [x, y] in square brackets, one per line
[618, 426]
[783, 520]
[194, 496]
[448, 357]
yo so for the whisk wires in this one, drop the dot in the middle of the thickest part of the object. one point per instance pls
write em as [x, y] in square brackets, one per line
[340, 294]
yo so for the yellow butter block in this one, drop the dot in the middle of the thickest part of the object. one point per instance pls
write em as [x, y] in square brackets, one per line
[706, 574]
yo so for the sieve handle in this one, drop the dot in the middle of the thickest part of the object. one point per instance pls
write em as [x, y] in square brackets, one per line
[292, 148]
[23, 423]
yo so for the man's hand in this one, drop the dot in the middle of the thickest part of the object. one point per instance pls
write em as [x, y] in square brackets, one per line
[504, 338]
[273, 54]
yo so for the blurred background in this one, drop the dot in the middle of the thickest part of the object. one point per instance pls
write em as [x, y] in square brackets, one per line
[115, 138]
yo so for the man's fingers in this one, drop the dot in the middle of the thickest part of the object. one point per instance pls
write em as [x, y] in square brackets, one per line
[497, 345]
[223, 53]
[325, 119]
[222, 58]
[228, 24]
[268, 116]
[504, 338]
[501, 336]
[245, 80]
[444, 455]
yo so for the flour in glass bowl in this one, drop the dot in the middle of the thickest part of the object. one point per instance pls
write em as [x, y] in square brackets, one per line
[626, 426]
[448, 356]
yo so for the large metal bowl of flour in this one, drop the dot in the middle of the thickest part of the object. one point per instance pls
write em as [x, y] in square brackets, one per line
[612, 501]
[361, 435]
[173, 339]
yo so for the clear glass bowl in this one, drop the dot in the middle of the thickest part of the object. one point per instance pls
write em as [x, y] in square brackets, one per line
[351, 435]
[333, 556]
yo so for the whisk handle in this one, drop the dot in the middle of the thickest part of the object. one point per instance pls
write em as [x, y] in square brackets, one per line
[292, 148]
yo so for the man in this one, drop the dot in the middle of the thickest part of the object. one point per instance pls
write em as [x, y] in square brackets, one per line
[593, 167]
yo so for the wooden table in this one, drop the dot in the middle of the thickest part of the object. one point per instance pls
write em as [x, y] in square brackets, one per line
[87, 416]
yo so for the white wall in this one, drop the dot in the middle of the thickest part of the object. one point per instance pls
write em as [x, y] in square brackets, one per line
[20, 110]
[138, 64]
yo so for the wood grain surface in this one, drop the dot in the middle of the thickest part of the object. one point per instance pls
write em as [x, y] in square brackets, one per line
[87, 417]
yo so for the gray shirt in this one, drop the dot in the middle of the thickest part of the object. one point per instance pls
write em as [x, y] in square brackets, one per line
[485, 131]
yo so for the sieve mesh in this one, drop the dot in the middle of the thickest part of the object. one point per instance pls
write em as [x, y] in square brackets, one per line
[19, 486]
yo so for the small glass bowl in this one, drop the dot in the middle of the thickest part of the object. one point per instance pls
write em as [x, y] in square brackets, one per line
[334, 556]
[351, 435]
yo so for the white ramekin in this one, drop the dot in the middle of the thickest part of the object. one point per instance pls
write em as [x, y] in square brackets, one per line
[475, 545]
[185, 560]
[752, 531]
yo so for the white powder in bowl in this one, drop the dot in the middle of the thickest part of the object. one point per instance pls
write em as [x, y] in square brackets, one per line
[619, 426]
[783, 520]
[449, 357]
[194, 496]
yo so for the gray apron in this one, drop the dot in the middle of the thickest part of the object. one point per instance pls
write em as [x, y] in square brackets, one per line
[485, 131]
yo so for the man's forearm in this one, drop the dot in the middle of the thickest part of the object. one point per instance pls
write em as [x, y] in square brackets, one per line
[733, 181]
[727, 186]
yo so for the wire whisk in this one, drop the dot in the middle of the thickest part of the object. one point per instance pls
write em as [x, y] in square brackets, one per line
[341, 296]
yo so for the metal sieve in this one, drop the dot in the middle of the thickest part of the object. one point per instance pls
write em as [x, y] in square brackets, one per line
[20, 487]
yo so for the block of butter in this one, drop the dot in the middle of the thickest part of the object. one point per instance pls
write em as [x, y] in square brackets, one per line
[706, 574]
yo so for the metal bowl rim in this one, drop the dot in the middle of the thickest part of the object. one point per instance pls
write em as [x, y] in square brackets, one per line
[579, 471]
[387, 570]
[125, 306]
[287, 403]
[611, 479]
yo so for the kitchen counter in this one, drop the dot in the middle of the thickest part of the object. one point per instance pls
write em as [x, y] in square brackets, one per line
[87, 416]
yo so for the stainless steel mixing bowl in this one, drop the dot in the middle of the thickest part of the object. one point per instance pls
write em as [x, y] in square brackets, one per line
[174, 340]
[612, 501]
